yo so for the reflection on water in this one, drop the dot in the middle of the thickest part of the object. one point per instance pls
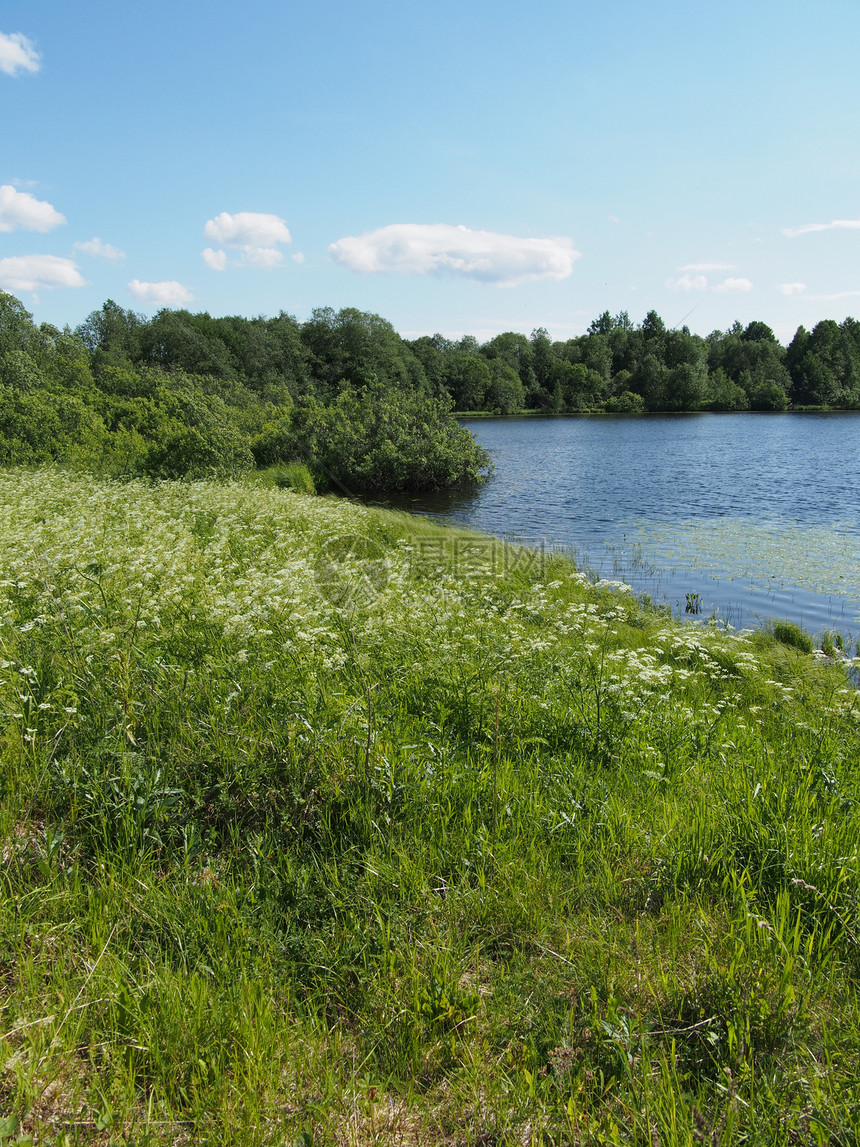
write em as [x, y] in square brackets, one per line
[755, 514]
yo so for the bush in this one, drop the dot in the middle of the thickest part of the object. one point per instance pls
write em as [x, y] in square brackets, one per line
[275, 443]
[39, 426]
[625, 403]
[207, 452]
[373, 439]
[381, 440]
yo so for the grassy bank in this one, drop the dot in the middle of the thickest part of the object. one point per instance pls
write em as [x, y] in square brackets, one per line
[321, 826]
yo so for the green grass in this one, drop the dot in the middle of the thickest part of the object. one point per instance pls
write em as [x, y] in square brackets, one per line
[288, 476]
[322, 825]
[790, 633]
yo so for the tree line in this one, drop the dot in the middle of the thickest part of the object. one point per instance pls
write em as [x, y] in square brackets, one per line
[185, 395]
[188, 394]
[620, 367]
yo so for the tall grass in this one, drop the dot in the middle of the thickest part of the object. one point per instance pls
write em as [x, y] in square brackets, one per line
[320, 825]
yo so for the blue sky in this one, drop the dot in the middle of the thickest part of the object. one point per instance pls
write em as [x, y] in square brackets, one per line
[458, 167]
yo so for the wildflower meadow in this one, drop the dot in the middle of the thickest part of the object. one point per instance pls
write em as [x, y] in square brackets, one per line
[321, 824]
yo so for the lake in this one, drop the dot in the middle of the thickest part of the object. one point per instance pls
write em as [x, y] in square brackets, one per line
[757, 514]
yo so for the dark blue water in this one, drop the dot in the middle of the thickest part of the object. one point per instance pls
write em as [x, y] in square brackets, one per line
[757, 514]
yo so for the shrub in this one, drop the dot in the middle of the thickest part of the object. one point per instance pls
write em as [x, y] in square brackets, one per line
[208, 452]
[373, 439]
[625, 403]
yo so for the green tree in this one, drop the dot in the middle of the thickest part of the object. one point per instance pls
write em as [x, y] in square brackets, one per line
[724, 394]
[178, 340]
[825, 364]
[583, 389]
[432, 352]
[112, 335]
[684, 387]
[650, 380]
[766, 395]
[17, 331]
[543, 364]
[759, 332]
[505, 392]
[467, 379]
[18, 370]
[350, 347]
[653, 330]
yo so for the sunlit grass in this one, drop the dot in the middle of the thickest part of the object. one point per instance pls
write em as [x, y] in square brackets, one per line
[319, 821]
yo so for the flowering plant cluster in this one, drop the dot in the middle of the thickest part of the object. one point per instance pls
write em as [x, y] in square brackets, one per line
[292, 785]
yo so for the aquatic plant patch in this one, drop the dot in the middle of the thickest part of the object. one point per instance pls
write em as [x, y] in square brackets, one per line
[822, 559]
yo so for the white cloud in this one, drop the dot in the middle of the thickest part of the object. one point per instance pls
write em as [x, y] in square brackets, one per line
[614, 219]
[733, 286]
[38, 272]
[792, 288]
[21, 211]
[699, 267]
[262, 256]
[247, 229]
[699, 282]
[834, 298]
[256, 234]
[836, 225]
[298, 257]
[166, 294]
[688, 283]
[100, 250]
[18, 54]
[441, 249]
[217, 260]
